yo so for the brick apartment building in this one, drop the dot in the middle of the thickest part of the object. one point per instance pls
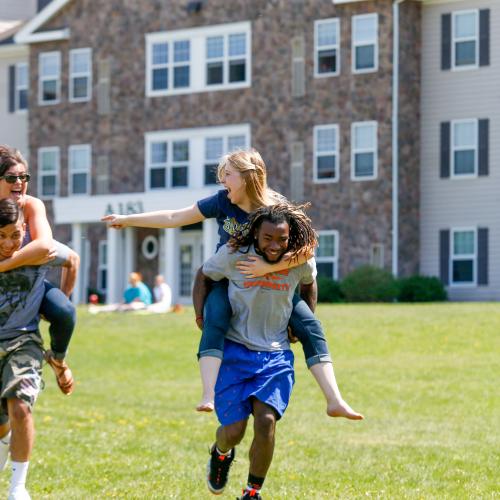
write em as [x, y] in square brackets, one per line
[133, 101]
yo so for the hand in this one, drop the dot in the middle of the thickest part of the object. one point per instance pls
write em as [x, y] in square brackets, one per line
[291, 337]
[253, 267]
[115, 221]
[199, 322]
[50, 256]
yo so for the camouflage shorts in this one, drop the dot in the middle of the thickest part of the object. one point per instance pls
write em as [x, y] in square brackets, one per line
[20, 370]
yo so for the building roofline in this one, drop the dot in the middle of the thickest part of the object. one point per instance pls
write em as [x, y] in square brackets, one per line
[27, 33]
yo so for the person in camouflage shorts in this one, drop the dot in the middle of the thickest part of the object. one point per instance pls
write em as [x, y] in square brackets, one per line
[21, 348]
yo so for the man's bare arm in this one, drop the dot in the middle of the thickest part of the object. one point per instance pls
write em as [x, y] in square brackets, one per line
[309, 293]
[201, 287]
[69, 273]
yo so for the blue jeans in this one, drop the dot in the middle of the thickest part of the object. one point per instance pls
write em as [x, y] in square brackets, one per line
[59, 311]
[217, 316]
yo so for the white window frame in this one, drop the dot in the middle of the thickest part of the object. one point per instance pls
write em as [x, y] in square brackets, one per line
[86, 170]
[225, 149]
[334, 258]
[101, 265]
[317, 23]
[373, 150]
[332, 152]
[42, 79]
[473, 175]
[41, 174]
[472, 257]
[20, 88]
[198, 61]
[355, 44]
[74, 74]
[196, 163]
[455, 40]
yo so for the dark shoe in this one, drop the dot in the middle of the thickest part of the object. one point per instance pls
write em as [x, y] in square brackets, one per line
[250, 495]
[218, 469]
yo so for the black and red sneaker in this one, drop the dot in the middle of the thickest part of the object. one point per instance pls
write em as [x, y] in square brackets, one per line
[252, 494]
[218, 469]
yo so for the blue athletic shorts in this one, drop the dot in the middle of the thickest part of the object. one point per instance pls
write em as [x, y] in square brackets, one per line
[267, 376]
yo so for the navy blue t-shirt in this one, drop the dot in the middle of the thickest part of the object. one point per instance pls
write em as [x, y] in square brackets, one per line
[230, 218]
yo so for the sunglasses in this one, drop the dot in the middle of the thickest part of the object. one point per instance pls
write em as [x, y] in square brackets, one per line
[11, 179]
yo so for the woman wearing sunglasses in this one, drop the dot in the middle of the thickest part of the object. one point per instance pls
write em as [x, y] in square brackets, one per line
[38, 247]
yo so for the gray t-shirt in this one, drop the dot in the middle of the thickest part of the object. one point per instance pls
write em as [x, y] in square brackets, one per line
[261, 306]
[21, 294]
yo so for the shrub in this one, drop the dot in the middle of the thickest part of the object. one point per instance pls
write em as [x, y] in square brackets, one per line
[421, 289]
[369, 284]
[329, 290]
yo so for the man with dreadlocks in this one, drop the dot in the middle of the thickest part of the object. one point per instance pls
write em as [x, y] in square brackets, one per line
[256, 375]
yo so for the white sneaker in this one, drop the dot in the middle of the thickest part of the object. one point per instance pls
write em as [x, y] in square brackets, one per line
[19, 493]
[4, 450]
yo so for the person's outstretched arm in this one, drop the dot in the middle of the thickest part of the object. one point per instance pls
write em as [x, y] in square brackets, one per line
[41, 244]
[159, 219]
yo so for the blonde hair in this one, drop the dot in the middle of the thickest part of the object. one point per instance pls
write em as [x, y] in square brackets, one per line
[252, 168]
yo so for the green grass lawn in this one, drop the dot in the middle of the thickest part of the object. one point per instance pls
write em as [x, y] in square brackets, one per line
[426, 377]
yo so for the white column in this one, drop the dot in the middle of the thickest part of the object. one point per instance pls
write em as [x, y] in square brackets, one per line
[170, 269]
[129, 252]
[76, 236]
[114, 290]
[210, 238]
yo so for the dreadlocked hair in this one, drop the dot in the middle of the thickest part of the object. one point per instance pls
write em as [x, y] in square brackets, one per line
[302, 239]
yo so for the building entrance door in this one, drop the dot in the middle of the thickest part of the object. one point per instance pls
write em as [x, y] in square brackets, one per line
[190, 259]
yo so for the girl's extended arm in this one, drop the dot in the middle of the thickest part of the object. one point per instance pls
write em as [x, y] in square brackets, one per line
[41, 237]
[160, 219]
[256, 266]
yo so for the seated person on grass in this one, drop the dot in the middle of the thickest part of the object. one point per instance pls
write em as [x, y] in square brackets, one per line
[21, 347]
[256, 375]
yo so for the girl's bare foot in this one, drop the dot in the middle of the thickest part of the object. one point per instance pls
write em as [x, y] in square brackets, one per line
[342, 409]
[207, 405]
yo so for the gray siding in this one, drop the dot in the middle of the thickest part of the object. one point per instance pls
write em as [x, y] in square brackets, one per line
[452, 95]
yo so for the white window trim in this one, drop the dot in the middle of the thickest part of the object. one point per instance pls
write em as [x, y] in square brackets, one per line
[57, 171]
[472, 257]
[474, 175]
[196, 164]
[354, 44]
[364, 150]
[316, 48]
[87, 171]
[225, 150]
[316, 128]
[454, 40]
[41, 79]
[198, 61]
[334, 259]
[19, 88]
[73, 75]
[101, 266]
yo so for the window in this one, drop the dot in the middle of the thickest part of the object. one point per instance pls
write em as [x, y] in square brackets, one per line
[327, 47]
[326, 153]
[463, 256]
[215, 148]
[365, 43]
[198, 59]
[170, 65]
[464, 148]
[21, 86]
[189, 158]
[48, 172]
[364, 151]
[79, 168]
[327, 254]
[226, 59]
[49, 77]
[80, 75]
[465, 38]
[102, 266]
